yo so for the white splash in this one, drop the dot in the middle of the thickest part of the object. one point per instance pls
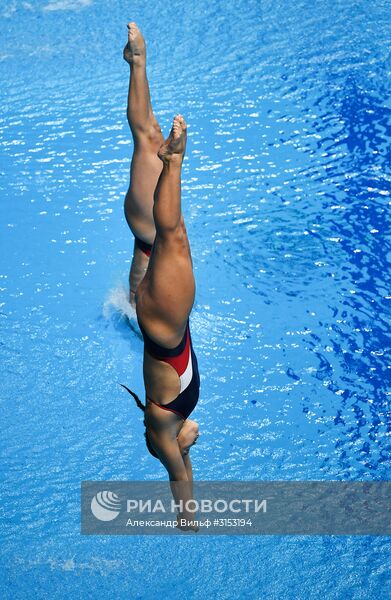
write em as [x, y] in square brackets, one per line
[117, 301]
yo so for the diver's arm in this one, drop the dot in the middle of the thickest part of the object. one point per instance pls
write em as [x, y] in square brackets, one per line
[188, 467]
[167, 448]
[188, 436]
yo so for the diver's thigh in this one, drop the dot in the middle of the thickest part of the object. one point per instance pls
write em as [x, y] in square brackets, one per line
[168, 288]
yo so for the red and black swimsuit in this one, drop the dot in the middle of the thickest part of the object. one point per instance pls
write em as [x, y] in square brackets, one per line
[184, 361]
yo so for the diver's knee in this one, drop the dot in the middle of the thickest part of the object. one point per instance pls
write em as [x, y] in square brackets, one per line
[148, 136]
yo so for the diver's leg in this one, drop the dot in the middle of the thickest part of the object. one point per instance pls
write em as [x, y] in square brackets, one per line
[145, 166]
[166, 294]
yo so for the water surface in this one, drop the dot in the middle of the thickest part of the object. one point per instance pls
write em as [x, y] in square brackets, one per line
[286, 193]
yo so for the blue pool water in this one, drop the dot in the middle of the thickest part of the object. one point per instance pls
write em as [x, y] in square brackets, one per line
[286, 191]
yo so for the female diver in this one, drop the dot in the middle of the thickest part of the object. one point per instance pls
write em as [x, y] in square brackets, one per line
[161, 278]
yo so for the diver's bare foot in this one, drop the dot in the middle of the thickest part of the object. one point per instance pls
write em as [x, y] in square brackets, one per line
[174, 147]
[134, 51]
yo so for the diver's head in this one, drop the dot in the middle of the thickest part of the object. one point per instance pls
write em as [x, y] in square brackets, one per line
[187, 436]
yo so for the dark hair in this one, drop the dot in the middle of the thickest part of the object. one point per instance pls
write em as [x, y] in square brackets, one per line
[141, 406]
[138, 401]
